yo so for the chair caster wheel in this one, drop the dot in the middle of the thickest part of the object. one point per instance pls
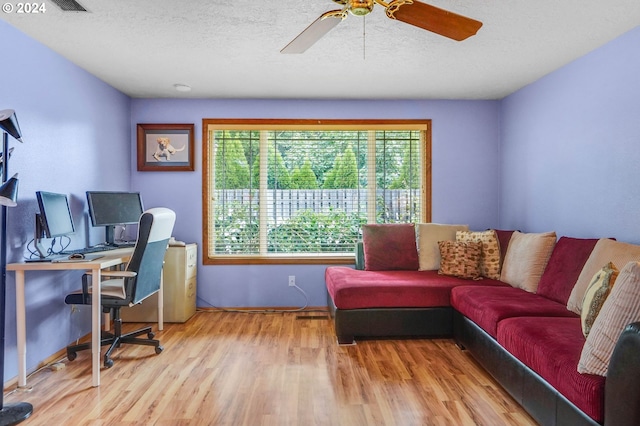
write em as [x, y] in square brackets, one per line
[108, 363]
[71, 355]
[159, 349]
[151, 335]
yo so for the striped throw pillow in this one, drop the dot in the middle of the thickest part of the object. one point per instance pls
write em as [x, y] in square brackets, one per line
[621, 308]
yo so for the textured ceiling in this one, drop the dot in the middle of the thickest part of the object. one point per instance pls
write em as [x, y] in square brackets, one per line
[231, 49]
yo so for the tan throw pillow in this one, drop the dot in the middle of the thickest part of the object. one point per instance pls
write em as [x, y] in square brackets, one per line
[460, 259]
[596, 294]
[621, 308]
[605, 250]
[428, 236]
[526, 258]
[490, 257]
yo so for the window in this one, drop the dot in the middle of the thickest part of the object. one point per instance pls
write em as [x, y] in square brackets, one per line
[298, 191]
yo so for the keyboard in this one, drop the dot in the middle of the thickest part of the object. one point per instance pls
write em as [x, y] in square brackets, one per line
[88, 250]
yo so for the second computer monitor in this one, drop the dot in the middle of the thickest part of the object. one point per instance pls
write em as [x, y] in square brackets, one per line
[55, 215]
[54, 219]
[111, 208]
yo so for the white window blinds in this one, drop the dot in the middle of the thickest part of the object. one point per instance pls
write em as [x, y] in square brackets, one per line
[288, 192]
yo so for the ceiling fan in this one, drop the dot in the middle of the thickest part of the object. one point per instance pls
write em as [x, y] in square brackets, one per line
[412, 12]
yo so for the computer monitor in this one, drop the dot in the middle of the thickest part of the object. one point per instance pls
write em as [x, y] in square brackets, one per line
[111, 208]
[54, 219]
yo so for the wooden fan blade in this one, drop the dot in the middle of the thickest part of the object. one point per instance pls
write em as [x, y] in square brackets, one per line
[434, 19]
[314, 32]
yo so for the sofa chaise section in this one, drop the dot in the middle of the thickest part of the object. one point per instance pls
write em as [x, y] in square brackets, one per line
[391, 303]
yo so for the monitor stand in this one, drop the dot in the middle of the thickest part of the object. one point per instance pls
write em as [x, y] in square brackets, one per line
[42, 253]
[37, 241]
[110, 235]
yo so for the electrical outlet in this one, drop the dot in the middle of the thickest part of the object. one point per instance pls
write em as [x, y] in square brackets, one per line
[292, 280]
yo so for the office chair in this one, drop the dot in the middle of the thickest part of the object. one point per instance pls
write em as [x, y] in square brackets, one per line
[140, 279]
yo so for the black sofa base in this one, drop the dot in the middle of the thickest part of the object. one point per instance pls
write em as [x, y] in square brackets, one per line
[532, 392]
[390, 322]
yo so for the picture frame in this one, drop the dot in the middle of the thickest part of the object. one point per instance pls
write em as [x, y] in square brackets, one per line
[165, 147]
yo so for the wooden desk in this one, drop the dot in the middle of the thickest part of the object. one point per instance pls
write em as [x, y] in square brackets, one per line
[110, 258]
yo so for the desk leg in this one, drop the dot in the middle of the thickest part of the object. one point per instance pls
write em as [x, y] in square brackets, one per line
[161, 305]
[106, 320]
[21, 330]
[96, 309]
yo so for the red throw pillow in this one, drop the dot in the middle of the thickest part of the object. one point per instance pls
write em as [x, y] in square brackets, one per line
[390, 247]
[504, 236]
[563, 269]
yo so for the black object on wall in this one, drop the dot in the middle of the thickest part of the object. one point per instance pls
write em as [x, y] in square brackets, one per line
[10, 414]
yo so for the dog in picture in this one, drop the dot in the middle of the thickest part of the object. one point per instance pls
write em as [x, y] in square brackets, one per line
[165, 149]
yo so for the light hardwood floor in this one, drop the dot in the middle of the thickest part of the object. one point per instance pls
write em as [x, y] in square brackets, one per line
[225, 368]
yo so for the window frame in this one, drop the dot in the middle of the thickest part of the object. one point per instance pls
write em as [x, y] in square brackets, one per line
[301, 124]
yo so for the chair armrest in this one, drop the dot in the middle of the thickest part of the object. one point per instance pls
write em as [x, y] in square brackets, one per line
[86, 279]
[118, 274]
[359, 255]
[622, 389]
[113, 273]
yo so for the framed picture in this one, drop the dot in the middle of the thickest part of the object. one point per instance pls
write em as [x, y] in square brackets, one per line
[165, 147]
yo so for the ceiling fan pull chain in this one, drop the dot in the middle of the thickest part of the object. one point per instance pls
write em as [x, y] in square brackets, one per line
[364, 38]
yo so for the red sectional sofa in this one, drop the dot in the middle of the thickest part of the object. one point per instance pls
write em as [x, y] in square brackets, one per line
[530, 342]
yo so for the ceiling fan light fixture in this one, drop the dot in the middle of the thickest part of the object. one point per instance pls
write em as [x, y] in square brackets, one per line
[361, 7]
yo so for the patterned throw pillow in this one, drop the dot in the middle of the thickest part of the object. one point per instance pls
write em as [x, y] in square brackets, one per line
[490, 257]
[606, 250]
[428, 236]
[460, 259]
[596, 294]
[390, 247]
[621, 308]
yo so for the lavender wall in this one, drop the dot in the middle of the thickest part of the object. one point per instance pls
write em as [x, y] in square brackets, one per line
[465, 181]
[571, 147]
[76, 132]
